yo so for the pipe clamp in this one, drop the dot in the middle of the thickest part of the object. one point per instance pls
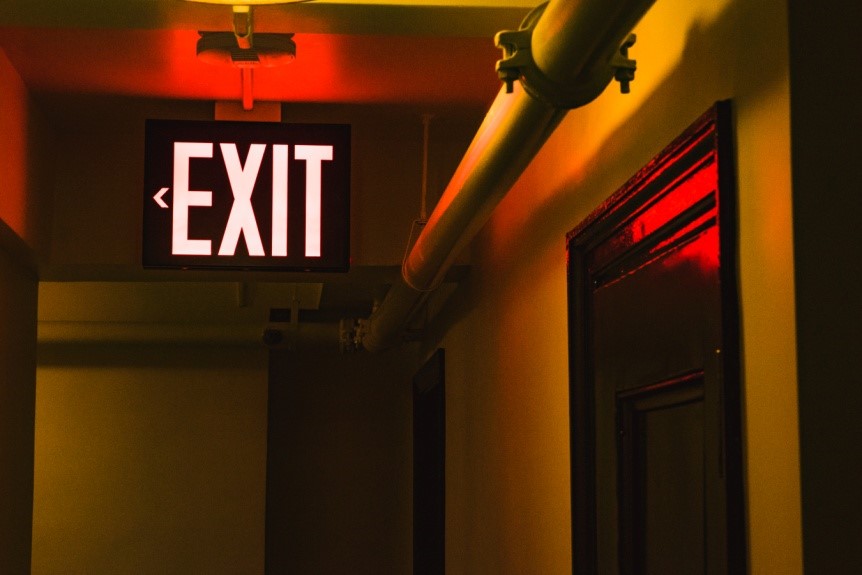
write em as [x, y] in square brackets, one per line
[518, 64]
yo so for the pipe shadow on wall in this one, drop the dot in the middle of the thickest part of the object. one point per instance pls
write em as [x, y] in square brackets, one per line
[712, 66]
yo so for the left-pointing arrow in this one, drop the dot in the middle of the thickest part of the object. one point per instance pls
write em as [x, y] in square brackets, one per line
[158, 198]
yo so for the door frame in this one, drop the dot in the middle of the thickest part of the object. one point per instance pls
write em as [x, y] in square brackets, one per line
[709, 139]
[429, 466]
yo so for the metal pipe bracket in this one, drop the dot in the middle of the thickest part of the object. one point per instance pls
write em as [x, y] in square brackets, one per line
[518, 64]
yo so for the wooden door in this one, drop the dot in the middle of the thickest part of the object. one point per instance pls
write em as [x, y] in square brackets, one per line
[655, 409]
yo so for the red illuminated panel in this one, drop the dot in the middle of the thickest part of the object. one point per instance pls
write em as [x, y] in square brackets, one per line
[685, 207]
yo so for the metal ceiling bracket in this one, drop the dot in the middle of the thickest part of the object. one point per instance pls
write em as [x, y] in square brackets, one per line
[518, 64]
[243, 27]
[515, 45]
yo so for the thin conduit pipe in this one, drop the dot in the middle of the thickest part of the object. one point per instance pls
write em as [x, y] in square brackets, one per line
[572, 43]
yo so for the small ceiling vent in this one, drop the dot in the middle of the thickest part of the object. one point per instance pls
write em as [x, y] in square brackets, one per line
[267, 50]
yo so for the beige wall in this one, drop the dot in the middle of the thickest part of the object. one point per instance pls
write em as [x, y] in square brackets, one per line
[149, 459]
[507, 373]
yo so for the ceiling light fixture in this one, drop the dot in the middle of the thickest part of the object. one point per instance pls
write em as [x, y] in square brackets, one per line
[241, 48]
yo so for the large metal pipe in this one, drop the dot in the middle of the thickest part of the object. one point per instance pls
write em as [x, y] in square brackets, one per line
[572, 45]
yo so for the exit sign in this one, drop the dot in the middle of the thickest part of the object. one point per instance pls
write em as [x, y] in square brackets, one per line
[246, 195]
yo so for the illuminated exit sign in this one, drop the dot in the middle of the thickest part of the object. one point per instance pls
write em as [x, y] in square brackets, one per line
[246, 195]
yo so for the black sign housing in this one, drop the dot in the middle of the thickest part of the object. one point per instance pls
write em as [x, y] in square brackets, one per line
[171, 221]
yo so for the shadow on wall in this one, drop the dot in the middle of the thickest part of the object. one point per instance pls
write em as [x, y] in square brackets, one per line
[715, 64]
[712, 67]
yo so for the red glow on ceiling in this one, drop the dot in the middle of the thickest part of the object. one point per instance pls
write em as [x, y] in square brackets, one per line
[328, 68]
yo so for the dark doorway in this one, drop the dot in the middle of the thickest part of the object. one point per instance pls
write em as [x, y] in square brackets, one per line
[429, 464]
[654, 354]
[338, 462]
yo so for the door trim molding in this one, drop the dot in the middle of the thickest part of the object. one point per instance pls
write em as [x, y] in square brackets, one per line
[708, 141]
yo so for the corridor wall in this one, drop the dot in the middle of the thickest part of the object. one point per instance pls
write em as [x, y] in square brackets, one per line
[508, 481]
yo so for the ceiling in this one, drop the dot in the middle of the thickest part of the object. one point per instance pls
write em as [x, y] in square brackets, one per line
[345, 50]
[423, 53]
